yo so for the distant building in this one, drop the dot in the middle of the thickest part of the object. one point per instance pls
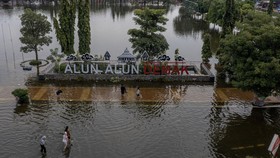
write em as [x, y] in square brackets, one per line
[263, 5]
[126, 57]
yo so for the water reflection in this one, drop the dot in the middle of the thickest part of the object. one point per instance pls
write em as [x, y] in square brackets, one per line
[22, 110]
[104, 128]
[116, 11]
[8, 10]
[186, 25]
[272, 117]
[67, 152]
[241, 131]
[107, 21]
[189, 24]
[171, 94]
[214, 40]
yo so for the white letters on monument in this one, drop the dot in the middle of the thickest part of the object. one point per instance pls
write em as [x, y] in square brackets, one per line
[68, 68]
[109, 68]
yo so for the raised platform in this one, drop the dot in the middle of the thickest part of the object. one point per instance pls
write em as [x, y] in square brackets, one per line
[195, 74]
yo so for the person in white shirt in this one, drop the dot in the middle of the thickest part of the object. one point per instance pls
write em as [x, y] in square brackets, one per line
[65, 140]
[42, 144]
[138, 92]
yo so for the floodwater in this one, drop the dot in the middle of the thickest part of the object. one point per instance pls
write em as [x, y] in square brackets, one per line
[169, 121]
[197, 123]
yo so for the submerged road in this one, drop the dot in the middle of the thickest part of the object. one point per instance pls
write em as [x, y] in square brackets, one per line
[148, 94]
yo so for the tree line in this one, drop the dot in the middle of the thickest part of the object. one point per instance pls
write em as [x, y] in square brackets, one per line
[36, 27]
[250, 55]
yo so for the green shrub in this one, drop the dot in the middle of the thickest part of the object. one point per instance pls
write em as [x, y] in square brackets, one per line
[21, 95]
[35, 62]
[80, 78]
[141, 68]
[115, 79]
[61, 68]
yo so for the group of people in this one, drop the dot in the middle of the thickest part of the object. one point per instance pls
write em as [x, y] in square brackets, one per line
[66, 136]
[138, 92]
[66, 140]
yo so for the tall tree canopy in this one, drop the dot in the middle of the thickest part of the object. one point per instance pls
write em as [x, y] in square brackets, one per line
[146, 38]
[203, 6]
[226, 12]
[84, 26]
[206, 49]
[244, 10]
[229, 17]
[34, 30]
[252, 57]
[216, 11]
[65, 26]
[200, 6]
[270, 7]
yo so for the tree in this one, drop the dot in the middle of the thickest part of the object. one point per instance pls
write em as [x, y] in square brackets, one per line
[244, 10]
[65, 27]
[216, 11]
[176, 54]
[270, 7]
[203, 6]
[35, 28]
[55, 57]
[229, 18]
[206, 50]
[191, 5]
[200, 6]
[146, 38]
[84, 26]
[252, 57]
[21, 95]
[226, 12]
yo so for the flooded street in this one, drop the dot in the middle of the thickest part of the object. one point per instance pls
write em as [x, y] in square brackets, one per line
[168, 121]
[105, 124]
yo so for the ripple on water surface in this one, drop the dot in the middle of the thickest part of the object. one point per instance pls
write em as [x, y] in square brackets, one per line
[128, 129]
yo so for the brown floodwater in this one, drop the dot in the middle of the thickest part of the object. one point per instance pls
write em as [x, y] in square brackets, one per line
[167, 121]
